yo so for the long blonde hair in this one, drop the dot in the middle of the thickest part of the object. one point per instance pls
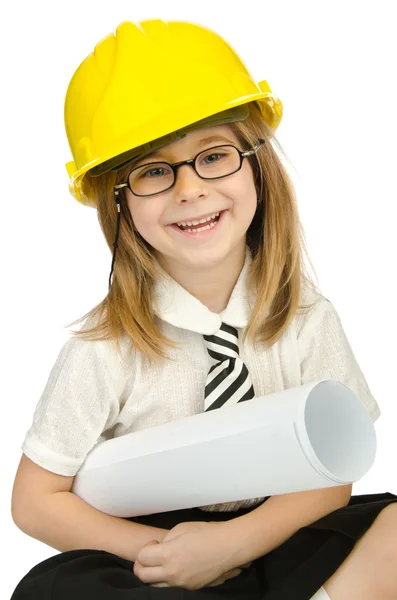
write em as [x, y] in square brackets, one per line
[275, 238]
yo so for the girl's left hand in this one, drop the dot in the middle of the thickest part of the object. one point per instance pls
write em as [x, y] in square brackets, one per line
[191, 555]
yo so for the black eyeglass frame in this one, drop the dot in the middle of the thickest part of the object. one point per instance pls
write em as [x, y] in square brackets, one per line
[192, 163]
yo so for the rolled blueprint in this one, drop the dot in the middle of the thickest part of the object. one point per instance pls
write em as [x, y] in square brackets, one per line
[308, 437]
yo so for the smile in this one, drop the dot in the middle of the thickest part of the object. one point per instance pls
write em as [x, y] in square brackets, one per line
[199, 230]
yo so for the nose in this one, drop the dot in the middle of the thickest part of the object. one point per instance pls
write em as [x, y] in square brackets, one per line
[188, 185]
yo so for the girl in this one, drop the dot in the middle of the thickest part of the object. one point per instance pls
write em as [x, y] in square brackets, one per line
[173, 144]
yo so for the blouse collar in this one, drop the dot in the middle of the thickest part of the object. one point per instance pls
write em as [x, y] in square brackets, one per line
[177, 306]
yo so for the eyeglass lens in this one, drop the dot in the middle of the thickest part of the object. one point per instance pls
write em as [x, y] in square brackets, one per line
[213, 163]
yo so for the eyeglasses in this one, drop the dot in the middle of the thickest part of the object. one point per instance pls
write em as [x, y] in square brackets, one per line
[213, 163]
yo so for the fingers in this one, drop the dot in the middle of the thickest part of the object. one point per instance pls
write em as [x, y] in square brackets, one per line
[151, 553]
[147, 568]
[225, 577]
[149, 574]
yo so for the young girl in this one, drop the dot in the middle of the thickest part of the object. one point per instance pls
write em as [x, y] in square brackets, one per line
[174, 145]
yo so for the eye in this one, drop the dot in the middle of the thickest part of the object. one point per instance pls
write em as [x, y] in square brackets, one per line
[155, 172]
[211, 158]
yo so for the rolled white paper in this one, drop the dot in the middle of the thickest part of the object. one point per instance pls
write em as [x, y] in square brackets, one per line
[308, 437]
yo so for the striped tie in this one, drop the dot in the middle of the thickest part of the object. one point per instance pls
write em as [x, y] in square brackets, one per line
[228, 380]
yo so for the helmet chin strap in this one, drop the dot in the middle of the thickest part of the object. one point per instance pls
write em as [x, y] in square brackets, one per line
[115, 245]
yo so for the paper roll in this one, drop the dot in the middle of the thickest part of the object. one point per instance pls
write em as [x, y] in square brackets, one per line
[313, 436]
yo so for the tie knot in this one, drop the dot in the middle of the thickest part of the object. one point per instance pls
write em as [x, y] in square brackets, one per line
[223, 344]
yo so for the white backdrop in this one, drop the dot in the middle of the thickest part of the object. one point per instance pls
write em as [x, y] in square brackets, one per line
[333, 66]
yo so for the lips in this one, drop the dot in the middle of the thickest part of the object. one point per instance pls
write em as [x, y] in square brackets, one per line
[214, 220]
[200, 233]
[199, 219]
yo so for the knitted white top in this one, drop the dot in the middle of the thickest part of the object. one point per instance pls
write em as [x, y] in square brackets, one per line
[93, 394]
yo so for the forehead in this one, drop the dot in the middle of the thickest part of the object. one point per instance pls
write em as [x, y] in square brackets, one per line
[197, 139]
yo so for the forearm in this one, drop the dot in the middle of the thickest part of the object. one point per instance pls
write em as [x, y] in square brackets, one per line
[65, 522]
[265, 528]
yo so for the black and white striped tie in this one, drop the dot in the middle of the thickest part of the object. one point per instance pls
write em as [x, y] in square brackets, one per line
[228, 380]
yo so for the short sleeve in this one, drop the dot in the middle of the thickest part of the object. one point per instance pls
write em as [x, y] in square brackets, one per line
[325, 353]
[79, 402]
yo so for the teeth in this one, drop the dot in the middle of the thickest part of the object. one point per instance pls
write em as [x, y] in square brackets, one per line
[198, 222]
[210, 226]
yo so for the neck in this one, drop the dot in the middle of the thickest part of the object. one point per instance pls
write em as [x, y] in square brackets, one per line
[212, 285]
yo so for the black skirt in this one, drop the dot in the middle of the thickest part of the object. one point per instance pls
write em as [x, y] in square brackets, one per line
[295, 570]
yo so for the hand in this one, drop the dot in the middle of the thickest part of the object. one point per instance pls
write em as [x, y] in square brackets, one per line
[225, 576]
[191, 555]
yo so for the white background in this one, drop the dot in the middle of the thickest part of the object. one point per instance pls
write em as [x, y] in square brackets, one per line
[333, 66]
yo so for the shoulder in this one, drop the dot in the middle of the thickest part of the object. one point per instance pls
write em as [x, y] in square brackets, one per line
[96, 362]
[78, 351]
[314, 307]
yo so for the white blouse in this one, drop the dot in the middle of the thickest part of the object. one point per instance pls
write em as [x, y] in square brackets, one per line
[94, 394]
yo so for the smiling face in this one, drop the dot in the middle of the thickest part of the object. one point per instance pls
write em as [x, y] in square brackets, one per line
[192, 198]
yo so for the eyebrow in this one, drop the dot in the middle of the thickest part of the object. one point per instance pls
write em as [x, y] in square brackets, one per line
[215, 138]
[202, 142]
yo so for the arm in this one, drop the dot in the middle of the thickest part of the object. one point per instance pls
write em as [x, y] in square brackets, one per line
[44, 508]
[193, 555]
[276, 520]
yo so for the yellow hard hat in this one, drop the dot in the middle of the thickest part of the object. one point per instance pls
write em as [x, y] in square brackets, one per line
[149, 80]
